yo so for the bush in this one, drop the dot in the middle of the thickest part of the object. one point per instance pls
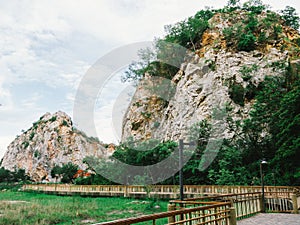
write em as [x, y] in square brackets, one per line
[25, 144]
[237, 94]
[254, 6]
[31, 136]
[291, 17]
[66, 171]
[247, 42]
[65, 123]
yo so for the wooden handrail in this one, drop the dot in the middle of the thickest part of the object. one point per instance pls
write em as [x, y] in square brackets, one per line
[161, 215]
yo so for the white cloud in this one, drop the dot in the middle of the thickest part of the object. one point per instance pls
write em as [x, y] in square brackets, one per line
[4, 142]
[46, 47]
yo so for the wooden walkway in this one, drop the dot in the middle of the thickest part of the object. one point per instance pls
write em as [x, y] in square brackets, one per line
[160, 191]
[272, 219]
[203, 204]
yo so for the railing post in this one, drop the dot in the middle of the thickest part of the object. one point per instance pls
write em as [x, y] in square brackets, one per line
[232, 216]
[171, 207]
[261, 203]
[295, 204]
[126, 191]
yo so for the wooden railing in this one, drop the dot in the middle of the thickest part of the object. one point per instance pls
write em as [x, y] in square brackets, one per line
[203, 204]
[245, 204]
[219, 213]
[162, 191]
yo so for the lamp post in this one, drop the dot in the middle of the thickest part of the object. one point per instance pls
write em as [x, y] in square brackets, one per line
[263, 162]
[181, 145]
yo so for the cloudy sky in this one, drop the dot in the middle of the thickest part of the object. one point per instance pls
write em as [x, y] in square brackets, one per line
[46, 47]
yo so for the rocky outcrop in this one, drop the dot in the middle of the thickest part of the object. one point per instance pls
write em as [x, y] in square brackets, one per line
[214, 77]
[52, 140]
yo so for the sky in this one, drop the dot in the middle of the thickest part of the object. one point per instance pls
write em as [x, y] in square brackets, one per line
[46, 48]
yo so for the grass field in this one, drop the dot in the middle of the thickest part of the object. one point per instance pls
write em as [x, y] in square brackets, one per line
[32, 208]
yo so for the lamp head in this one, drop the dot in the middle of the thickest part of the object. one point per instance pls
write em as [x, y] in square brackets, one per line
[263, 162]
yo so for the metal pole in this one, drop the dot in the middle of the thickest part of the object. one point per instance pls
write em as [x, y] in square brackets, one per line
[262, 189]
[180, 169]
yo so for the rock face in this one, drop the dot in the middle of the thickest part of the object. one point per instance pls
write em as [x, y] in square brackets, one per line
[214, 77]
[52, 140]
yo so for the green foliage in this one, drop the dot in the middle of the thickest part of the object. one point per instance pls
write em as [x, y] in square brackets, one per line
[142, 154]
[229, 169]
[25, 144]
[146, 153]
[66, 172]
[147, 115]
[53, 118]
[237, 94]
[165, 59]
[156, 124]
[7, 176]
[254, 6]
[65, 123]
[251, 23]
[233, 3]
[246, 42]
[286, 133]
[272, 132]
[36, 154]
[229, 34]
[277, 31]
[187, 32]
[247, 71]
[36, 124]
[31, 136]
[291, 17]
[262, 38]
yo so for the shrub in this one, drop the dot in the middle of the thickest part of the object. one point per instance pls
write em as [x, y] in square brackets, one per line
[65, 123]
[246, 71]
[277, 31]
[156, 124]
[247, 42]
[251, 22]
[254, 6]
[53, 118]
[25, 144]
[262, 37]
[36, 154]
[291, 17]
[237, 94]
[31, 136]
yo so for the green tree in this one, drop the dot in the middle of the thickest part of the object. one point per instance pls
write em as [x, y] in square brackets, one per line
[19, 175]
[164, 59]
[5, 175]
[229, 168]
[66, 172]
[233, 3]
[247, 42]
[286, 132]
[254, 6]
[291, 17]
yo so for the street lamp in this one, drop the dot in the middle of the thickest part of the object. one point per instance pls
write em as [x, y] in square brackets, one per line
[263, 162]
[181, 146]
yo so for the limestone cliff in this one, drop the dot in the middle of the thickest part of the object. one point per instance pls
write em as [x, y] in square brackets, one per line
[215, 75]
[52, 140]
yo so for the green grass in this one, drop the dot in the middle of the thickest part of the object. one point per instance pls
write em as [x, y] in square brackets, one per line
[35, 208]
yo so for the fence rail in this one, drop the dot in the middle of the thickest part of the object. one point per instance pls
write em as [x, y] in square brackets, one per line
[203, 204]
[245, 204]
[218, 213]
[160, 191]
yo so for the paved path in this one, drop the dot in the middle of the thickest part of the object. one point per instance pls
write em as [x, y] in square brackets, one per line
[272, 219]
